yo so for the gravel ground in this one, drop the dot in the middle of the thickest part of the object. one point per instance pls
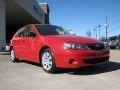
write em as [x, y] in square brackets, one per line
[29, 76]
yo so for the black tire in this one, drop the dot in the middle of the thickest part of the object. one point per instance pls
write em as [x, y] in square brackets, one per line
[48, 61]
[12, 56]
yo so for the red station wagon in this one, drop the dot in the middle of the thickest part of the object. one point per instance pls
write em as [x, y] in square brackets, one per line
[54, 47]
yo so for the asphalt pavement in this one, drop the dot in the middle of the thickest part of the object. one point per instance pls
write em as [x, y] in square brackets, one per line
[30, 76]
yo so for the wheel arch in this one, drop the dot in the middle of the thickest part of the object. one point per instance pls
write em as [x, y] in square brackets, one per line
[53, 67]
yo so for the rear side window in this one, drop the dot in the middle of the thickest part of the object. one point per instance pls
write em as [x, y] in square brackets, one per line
[30, 32]
[26, 32]
[21, 33]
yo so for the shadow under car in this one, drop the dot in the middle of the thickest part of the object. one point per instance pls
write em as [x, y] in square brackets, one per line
[90, 70]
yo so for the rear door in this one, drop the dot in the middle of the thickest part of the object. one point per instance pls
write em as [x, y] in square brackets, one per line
[18, 43]
[31, 40]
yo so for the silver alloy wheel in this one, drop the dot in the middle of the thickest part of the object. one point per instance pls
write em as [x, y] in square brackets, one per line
[47, 60]
[12, 55]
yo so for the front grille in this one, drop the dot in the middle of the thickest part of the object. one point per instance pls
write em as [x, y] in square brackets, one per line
[96, 60]
[96, 46]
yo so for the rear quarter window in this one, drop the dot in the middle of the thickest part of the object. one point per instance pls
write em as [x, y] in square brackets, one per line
[20, 33]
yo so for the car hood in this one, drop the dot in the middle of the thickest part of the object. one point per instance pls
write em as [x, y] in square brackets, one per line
[75, 39]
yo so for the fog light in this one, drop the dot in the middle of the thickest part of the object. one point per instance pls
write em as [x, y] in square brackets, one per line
[72, 61]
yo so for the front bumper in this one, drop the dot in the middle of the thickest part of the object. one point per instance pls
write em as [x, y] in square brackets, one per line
[81, 58]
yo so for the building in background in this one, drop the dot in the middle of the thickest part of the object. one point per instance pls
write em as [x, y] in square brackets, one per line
[46, 9]
[17, 13]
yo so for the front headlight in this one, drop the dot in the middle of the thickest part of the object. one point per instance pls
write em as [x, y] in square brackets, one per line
[68, 45]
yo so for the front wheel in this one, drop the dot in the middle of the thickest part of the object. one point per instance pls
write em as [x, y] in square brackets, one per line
[12, 56]
[48, 61]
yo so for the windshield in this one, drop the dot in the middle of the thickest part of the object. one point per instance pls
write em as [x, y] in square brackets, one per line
[53, 30]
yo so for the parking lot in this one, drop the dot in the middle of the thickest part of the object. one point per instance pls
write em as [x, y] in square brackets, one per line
[29, 76]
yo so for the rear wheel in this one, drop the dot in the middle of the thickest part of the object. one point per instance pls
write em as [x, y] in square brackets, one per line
[48, 61]
[12, 56]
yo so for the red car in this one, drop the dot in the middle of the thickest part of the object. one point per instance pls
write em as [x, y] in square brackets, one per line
[54, 47]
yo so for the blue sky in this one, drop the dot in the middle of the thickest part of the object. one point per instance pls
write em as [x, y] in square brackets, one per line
[84, 15]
